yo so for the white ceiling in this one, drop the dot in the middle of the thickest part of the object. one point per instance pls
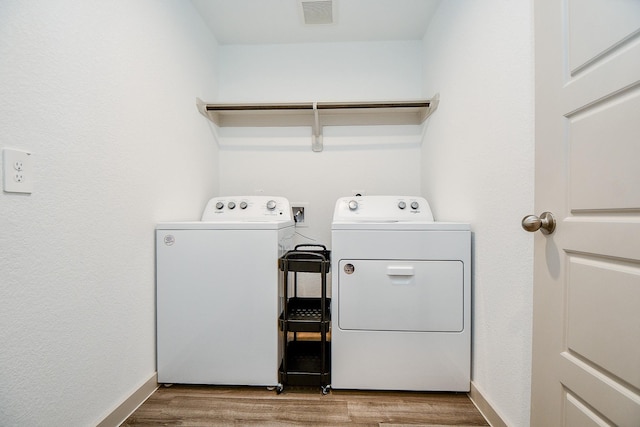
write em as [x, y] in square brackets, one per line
[281, 21]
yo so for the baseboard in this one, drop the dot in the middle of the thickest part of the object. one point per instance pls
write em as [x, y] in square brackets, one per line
[130, 404]
[485, 408]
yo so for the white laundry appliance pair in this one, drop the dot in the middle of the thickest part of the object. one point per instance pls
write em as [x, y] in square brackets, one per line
[401, 297]
[218, 292]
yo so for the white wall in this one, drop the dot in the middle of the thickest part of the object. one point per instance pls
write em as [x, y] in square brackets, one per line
[478, 167]
[375, 160]
[103, 94]
[320, 72]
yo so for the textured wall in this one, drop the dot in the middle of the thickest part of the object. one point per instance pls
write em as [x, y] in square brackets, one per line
[320, 71]
[478, 167]
[103, 94]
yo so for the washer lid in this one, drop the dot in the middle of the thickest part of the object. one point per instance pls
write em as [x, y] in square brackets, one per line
[389, 209]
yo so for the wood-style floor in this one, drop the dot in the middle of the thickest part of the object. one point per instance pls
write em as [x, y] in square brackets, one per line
[182, 405]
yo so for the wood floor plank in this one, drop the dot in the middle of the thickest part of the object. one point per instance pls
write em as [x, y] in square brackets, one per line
[299, 406]
[439, 412]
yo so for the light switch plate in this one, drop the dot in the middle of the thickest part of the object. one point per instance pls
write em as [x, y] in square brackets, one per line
[17, 171]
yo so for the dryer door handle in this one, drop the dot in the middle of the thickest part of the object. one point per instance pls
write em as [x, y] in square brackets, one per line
[400, 270]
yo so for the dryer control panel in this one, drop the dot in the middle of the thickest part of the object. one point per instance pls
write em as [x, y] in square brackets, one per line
[247, 208]
[382, 209]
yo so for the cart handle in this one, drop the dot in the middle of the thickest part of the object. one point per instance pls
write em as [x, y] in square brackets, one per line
[310, 245]
[312, 254]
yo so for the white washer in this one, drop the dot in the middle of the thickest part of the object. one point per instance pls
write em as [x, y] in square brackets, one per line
[401, 297]
[218, 295]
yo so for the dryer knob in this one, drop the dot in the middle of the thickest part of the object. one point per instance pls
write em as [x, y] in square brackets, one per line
[402, 205]
[353, 205]
[243, 205]
[231, 205]
[415, 205]
[271, 205]
[219, 205]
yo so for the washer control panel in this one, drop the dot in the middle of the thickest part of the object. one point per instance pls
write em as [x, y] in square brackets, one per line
[247, 208]
[382, 208]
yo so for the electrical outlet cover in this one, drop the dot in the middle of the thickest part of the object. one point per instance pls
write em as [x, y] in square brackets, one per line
[17, 171]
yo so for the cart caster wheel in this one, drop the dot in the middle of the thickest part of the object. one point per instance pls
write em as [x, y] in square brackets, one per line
[325, 390]
[279, 388]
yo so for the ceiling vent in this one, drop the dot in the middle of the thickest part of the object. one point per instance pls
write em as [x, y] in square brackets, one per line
[317, 12]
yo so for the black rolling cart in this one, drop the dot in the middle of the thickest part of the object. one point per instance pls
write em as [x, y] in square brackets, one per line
[306, 361]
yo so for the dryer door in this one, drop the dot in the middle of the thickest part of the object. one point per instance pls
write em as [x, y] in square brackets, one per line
[392, 295]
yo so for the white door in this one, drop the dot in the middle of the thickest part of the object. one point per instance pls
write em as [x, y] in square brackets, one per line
[586, 338]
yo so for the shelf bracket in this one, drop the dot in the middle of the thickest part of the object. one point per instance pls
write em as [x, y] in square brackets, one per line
[202, 107]
[316, 143]
[433, 106]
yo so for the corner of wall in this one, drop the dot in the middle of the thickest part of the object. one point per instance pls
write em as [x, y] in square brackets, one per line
[121, 412]
[486, 409]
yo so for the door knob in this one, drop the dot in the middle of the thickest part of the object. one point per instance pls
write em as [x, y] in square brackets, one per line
[545, 223]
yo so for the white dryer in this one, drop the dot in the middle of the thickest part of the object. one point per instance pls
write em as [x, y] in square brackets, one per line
[401, 297]
[218, 292]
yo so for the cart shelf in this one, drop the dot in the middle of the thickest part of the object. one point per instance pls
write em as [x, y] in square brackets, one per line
[305, 315]
[304, 361]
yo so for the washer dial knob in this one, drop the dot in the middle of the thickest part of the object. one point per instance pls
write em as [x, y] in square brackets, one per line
[219, 205]
[271, 205]
[415, 205]
[353, 205]
[243, 205]
[402, 205]
[231, 205]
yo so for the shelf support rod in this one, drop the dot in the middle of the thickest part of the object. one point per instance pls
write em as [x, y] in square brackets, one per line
[316, 143]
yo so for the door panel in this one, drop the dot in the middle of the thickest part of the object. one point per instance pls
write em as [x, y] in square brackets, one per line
[586, 319]
[602, 394]
[595, 27]
[607, 130]
[578, 415]
[603, 296]
[391, 295]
